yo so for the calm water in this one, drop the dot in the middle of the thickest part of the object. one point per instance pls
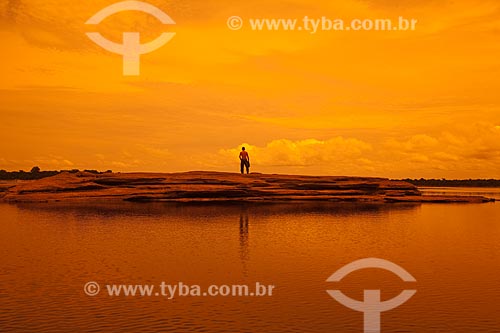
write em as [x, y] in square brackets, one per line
[467, 191]
[50, 251]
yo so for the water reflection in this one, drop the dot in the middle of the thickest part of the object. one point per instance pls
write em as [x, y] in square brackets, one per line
[195, 210]
[244, 246]
[50, 251]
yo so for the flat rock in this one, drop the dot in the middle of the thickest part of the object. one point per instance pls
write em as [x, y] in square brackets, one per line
[200, 186]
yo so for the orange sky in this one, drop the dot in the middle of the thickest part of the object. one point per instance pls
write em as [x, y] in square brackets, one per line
[395, 104]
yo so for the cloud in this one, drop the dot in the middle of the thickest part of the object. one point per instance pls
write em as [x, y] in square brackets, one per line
[416, 143]
[330, 103]
[472, 149]
[49, 162]
[301, 153]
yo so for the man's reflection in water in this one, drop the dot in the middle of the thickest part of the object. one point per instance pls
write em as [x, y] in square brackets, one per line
[244, 238]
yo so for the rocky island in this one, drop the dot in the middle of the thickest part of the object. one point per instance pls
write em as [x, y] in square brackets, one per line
[202, 186]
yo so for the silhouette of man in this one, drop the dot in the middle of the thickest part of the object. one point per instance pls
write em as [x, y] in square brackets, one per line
[245, 160]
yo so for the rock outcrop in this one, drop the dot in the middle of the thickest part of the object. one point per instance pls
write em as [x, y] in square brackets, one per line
[200, 186]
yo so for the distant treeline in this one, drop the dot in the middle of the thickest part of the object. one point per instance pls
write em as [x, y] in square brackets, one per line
[455, 182]
[36, 173]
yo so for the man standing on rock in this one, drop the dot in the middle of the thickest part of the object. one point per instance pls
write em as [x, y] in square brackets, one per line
[245, 160]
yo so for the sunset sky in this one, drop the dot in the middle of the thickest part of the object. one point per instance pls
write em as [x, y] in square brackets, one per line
[422, 103]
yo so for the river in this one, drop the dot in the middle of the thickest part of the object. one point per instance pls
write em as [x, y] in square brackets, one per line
[51, 251]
